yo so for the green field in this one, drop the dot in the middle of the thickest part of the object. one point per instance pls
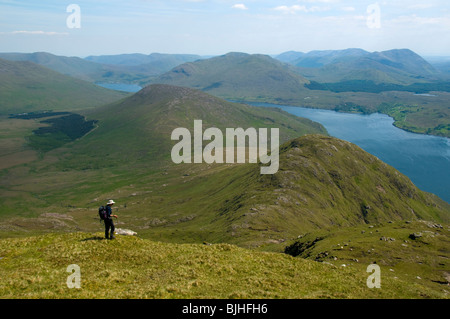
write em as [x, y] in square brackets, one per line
[28, 87]
[324, 187]
[130, 267]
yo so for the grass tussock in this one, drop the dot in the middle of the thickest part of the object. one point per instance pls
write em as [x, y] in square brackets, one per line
[130, 267]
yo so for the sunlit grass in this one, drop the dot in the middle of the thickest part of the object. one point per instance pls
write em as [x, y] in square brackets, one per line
[130, 267]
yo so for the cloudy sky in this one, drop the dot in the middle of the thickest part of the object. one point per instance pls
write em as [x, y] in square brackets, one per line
[212, 27]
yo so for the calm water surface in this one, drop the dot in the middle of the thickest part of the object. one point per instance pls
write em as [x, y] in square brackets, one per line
[120, 87]
[424, 159]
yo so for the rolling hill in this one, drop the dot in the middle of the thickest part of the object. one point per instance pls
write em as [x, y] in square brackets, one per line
[160, 61]
[132, 141]
[324, 187]
[319, 58]
[123, 68]
[322, 181]
[27, 87]
[71, 66]
[239, 76]
[349, 81]
[141, 125]
[398, 66]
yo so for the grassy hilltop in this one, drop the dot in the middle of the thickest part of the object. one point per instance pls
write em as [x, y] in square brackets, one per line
[239, 76]
[28, 87]
[130, 267]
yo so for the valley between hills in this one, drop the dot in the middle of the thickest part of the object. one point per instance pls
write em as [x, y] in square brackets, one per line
[213, 230]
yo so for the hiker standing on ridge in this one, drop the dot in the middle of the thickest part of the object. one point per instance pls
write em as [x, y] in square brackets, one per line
[108, 220]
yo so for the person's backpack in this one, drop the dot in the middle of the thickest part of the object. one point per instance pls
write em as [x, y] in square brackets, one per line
[102, 212]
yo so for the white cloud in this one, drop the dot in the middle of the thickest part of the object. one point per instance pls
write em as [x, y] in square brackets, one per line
[291, 9]
[240, 6]
[317, 9]
[320, 1]
[414, 20]
[421, 6]
[297, 8]
[348, 9]
[39, 32]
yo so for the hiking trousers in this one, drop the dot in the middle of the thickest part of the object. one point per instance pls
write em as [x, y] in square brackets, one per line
[109, 225]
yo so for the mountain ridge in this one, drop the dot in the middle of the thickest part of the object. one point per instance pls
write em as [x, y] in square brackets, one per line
[90, 69]
[399, 66]
[254, 76]
[132, 141]
[26, 86]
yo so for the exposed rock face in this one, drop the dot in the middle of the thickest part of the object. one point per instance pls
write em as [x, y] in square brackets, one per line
[126, 232]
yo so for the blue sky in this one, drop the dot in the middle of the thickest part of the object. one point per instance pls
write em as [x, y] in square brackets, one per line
[211, 27]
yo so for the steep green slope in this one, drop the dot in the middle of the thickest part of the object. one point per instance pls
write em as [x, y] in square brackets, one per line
[322, 182]
[416, 251]
[131, 142]
[138, 129]
[27, 87]
[239, 76]
[324, 188]
[130, 267]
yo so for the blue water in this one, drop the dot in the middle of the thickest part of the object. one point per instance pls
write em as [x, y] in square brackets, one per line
[132, 88]
[424, 159]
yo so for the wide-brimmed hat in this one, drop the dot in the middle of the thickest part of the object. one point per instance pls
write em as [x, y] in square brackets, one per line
[110, 202]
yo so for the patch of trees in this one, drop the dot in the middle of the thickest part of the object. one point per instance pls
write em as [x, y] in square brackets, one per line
[62, 129]
[372, 87]
[74, 126]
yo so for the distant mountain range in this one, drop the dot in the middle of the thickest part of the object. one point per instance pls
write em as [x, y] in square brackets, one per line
[244, 76]
[318, 58]
[400, 66]
[161, 61]
[441, 63]
[127, 68]
[351, 80]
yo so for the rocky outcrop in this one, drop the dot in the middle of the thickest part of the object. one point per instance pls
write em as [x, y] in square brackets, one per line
[125, 232]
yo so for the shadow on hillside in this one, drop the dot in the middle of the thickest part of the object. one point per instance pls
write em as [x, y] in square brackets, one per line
[93, 238]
